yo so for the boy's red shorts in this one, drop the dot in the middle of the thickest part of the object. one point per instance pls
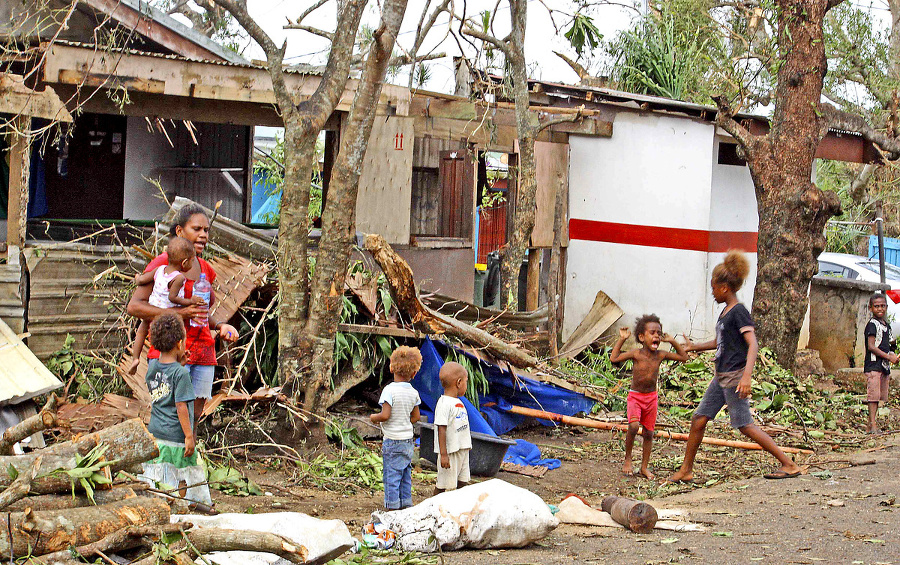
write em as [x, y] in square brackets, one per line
[642, 407]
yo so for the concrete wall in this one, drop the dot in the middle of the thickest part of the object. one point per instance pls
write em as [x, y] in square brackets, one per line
[654, 172]
[145, 153]
[838, 312]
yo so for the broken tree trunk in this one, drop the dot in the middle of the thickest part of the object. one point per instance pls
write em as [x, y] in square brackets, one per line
[207, 540]
[129, 443]
[20, 487]
[637, 516]
[63, 501]
[37, 533]
[573, 421]
[41, 421]
[403, 289]
[126, 538]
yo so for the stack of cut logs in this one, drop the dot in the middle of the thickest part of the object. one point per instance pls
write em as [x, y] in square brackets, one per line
[41, 519]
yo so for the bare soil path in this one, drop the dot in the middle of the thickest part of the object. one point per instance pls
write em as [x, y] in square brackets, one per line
[749, 519]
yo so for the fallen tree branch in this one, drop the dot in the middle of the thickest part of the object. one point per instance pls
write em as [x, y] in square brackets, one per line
[63, 501]
[126, 538]
[208, 540]
[400, 279]
[20, 487]
[573, 421]
[45, 419]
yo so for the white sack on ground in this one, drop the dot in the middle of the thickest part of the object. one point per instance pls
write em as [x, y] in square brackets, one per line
[573, 510]
[324, 539]
[491, 514]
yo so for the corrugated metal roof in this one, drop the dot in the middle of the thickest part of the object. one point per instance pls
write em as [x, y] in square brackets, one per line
[183, 30]
[22, 376]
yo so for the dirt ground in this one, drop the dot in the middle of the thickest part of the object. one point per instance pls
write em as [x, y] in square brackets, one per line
[748, 519]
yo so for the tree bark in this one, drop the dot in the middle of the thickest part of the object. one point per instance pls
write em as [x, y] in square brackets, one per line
[46, 483]
[339, 213]
[20, 487]
[63, 501]
[207, 540]
[37, 533]
[126, 538]
[792, 209]
[129, 443]
[637, 516]
[41, 421]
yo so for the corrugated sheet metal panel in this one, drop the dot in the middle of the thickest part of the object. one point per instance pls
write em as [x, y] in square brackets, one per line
[22, 376]
[65, 299]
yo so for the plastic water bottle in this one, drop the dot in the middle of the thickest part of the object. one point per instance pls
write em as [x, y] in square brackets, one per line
[202, 289]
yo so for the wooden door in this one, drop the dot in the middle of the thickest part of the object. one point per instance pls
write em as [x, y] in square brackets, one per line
[457, 176]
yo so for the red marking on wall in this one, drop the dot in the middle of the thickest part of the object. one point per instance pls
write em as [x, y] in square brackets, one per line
[398, 142]
[668, 238]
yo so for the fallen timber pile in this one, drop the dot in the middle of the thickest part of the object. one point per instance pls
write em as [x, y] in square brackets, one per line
[60, 526]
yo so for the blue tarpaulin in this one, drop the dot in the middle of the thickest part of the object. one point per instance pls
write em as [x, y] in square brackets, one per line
[505, 389]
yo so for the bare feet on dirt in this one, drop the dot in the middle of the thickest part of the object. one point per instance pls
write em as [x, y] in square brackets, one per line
[627, 470]
[647, 473]
[680, 477]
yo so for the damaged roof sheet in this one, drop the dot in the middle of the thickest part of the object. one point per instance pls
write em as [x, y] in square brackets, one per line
[22, 375]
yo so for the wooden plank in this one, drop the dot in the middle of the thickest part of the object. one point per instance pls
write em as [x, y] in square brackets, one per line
[378, 330]
[533, 279]
[603, 314]
[19, 167]
[107, 81]
[17, 99]
[552, 174]
[497, 138]
[385, 185]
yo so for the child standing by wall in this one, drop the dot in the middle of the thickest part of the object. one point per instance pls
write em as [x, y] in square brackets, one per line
[879, 358]
[172, 414]
[451, 421]
[643, 400]
[399, 411]
[736, 350]
[168, 289]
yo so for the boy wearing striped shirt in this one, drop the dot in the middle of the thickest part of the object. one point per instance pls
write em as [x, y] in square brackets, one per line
[399, 411]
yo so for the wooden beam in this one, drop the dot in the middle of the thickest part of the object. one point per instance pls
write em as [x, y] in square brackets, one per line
[19, 168]
[378, 330]
[19, 100]
[66, 64]
[533, 280]
[152, 86]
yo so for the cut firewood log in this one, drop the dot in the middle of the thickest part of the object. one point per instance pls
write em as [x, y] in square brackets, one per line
[129, 443]
[43, 420]
[400, 279]
[63, 501]
[126, 538]
[49, 531]
[637, 516]
[208, 540]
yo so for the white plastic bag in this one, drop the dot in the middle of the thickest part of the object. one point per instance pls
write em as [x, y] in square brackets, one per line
[324, 539]
[491, 514]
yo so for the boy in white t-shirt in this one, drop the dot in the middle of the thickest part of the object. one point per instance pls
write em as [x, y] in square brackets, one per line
[454, 440]
[399, 411]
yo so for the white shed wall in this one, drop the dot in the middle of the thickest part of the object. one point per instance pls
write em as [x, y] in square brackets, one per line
[656, 172]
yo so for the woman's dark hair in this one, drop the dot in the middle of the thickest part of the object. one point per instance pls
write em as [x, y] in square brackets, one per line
[166, 331]
[184, 216]
[732, 271]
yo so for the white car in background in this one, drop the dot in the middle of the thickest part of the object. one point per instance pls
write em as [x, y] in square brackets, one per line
[860, 268]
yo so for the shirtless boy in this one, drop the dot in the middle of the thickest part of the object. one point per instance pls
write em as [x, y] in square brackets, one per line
[642, 398]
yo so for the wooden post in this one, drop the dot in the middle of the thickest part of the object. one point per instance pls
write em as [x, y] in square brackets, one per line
[533, 281]
[637, 516]
[19, 168]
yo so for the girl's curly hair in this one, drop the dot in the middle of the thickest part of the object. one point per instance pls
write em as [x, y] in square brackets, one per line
[732, 271]
[405, 362]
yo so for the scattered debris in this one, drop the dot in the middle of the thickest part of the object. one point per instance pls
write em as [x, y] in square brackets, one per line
[602, 315]
[536, 471]
[574, 510]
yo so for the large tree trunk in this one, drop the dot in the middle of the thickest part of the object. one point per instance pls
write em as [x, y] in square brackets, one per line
[37, 533]
[792, 209]
[526, 184]
[339, 213]
[129, 443]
